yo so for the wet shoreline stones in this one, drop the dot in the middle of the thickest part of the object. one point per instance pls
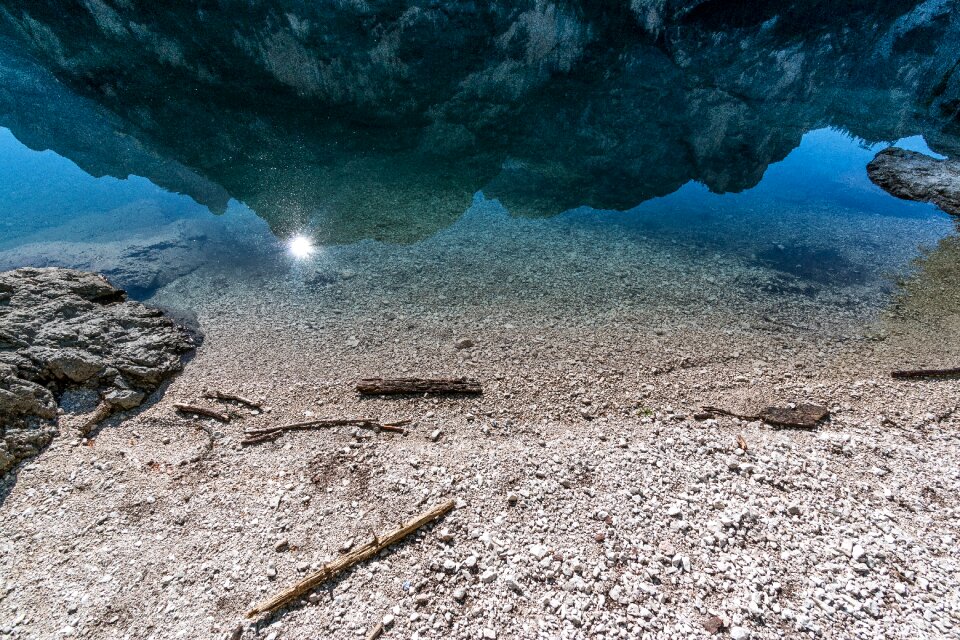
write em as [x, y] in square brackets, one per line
[63, 330]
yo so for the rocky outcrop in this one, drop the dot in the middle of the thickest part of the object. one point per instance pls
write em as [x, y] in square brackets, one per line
[62, 329]
[917, 176]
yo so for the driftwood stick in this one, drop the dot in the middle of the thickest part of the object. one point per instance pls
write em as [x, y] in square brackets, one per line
[201, 411]
[256, 436]
[925, 373]
[220, 395]
[347, 560]
[398, 386]
[102, 412]
[376, 632]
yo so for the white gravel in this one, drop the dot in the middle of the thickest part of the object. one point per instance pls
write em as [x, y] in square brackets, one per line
[591, 504]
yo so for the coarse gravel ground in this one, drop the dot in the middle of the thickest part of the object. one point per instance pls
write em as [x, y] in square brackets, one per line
[590, 501]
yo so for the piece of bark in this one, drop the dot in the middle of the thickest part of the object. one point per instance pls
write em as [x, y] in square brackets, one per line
[398, 386]
[803, 416]
[201, 411]
[713, 624]
[230, 397]
[347, 560]
[741, 441]
[925, 373]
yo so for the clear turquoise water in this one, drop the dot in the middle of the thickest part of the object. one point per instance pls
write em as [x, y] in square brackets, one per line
[814, 221]
[719, 162]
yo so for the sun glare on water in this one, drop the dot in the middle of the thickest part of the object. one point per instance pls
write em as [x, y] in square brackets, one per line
[300, 246]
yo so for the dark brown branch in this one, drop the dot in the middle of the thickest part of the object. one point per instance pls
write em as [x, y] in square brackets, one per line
[398, 386]
[201, 411]
[346, 561]
[925, 373]
[256, 436]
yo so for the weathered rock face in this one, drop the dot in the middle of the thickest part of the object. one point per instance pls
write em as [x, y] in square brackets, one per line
[382, 119]
[62, 329]
[917, 176]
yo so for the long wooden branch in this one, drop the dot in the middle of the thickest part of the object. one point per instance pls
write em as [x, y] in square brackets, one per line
[925, 373]
[256, 436]
[346, 561]
[201, 411]
[397, 386]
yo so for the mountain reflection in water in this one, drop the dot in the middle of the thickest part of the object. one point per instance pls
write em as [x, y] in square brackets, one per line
[381, 120]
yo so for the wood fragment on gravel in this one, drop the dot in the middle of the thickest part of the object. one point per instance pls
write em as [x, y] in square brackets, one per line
[376, 632]
[741, 441]
[257, 436]
[201, 411]
[213, 394]
[803, 416]
[404, 386]
[344, 562]
[101, 413]
[925, 373]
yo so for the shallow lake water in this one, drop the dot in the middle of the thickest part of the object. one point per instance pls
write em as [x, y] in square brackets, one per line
[682, 181]
[813, 232]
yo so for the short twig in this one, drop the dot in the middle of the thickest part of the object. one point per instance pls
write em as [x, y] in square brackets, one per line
[724, 412]
[220, 395]
[102, 412]
[201, 411]
[376, 632]
[207, 445]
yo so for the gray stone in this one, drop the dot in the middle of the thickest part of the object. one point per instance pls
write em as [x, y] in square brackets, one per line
[916, 176]
[63, 330]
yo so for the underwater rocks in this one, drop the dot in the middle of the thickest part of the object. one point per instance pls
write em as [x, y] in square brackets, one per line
[62, 329]
[915, 176]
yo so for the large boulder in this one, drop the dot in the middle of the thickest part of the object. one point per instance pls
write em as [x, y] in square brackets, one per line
[62, 329]
[917, 176]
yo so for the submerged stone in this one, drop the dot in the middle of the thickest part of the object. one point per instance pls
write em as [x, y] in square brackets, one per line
[63, 330]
